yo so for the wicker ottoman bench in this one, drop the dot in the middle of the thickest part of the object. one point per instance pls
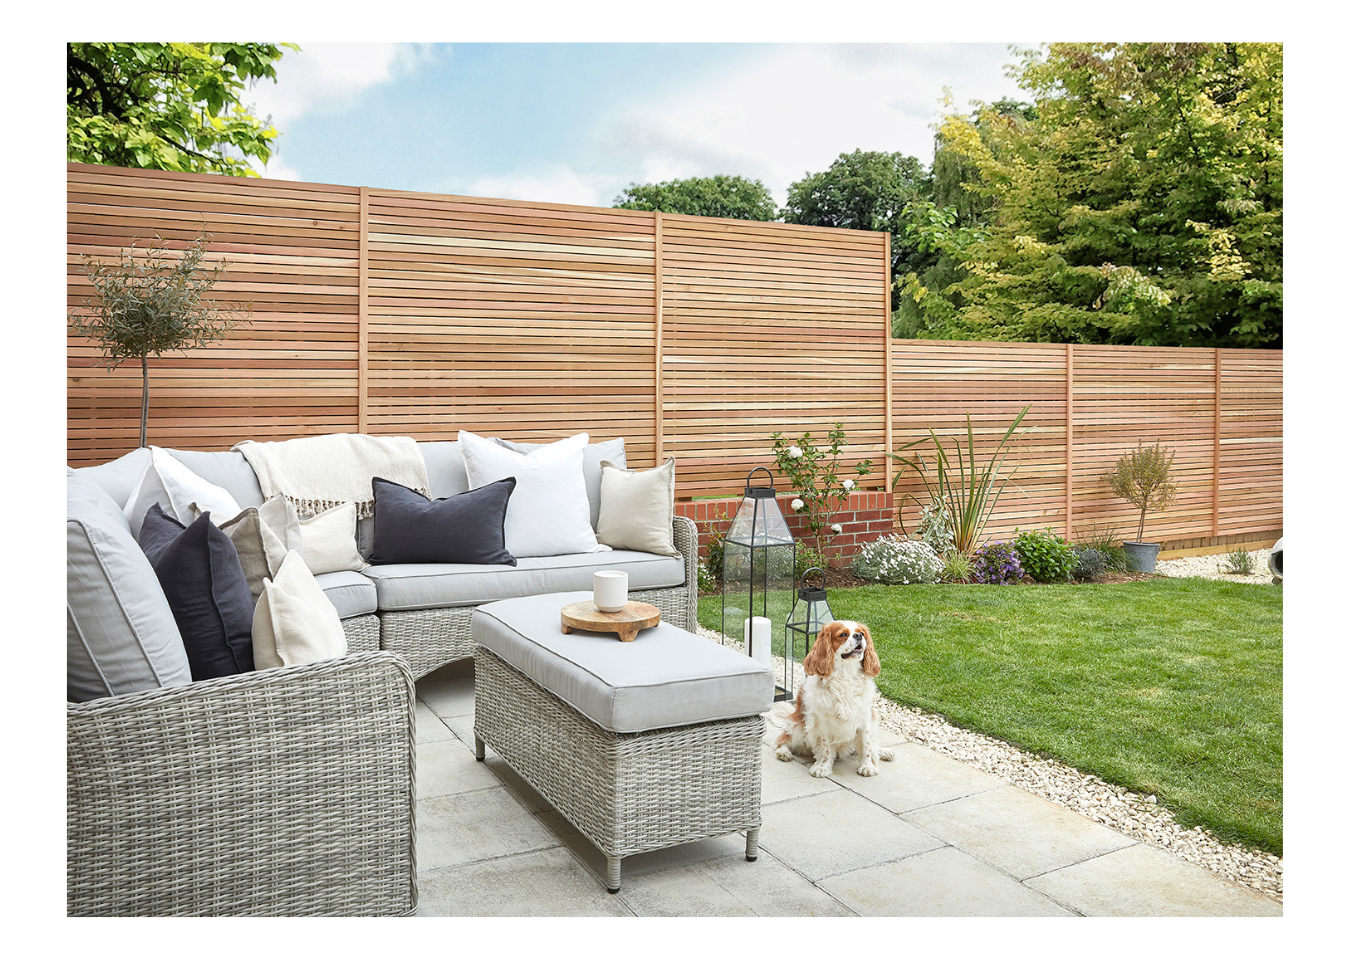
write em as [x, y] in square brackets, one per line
[640, 745]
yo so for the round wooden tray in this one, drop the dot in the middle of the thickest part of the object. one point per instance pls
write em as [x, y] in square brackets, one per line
[635, 616]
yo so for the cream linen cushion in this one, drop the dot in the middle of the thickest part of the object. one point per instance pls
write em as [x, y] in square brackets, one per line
[175, 488]
[294, 622]
[637, 508]
[328, 540]
[282, 518]
[548, 514]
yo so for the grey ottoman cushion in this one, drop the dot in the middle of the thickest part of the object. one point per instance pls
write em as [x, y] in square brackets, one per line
[419, 586]
[667, 677]
[121, 636]
[351, 593]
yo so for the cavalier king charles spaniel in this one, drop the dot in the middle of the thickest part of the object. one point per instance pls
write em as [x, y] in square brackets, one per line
[833, 715]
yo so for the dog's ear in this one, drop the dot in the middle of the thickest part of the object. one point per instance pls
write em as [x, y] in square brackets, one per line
[819, 662]
[871, 662]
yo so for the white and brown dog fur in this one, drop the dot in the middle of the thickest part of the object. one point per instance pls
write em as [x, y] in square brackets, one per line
[833, 713]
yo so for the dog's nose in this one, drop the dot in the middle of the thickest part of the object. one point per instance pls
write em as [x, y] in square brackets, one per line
[859, 638]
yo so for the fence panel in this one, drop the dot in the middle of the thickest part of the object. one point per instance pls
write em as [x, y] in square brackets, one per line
[768, 327]
[292, 252]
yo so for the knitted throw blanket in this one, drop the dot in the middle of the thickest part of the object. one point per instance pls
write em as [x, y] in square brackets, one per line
[318, 473]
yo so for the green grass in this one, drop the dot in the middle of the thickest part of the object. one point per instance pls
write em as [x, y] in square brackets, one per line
[1167, 686]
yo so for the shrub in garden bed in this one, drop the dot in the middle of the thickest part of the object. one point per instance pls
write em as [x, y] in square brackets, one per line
[893, 559]
[1089, 563]
[1045, 557]
[996, 563]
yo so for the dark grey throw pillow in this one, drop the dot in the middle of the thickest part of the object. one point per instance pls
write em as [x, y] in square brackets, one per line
[199, 571]
[469, 527]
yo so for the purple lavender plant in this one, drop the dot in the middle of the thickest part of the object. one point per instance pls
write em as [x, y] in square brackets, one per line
[996, 563]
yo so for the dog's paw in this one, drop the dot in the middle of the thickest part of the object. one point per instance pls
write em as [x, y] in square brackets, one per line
[783, 753]
[886, 753]
[821, 769]
[868, 769]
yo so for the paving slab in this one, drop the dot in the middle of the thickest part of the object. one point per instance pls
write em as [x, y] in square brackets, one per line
[728, 886]
[476, 825]
[1017, 832]
[1145, 881]
[787, 780]
[430, 727]
[831, 833]
[448, 695]
[917, 777]
[448, 766]
[544, 883]
[940, 883]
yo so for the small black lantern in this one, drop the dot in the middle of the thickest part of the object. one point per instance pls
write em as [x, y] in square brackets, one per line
[759, 557]
[810, 612]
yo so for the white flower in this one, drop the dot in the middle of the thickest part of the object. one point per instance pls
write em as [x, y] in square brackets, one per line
[848, 484]
[837, 527]
[794, 451]
[797, 504]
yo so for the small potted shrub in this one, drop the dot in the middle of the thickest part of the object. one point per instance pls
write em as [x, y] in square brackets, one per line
[1143, 477]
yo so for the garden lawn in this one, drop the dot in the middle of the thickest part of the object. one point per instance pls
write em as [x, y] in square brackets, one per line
[1169, 686]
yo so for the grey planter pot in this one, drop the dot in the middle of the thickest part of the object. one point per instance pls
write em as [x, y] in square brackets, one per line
[1143, 556]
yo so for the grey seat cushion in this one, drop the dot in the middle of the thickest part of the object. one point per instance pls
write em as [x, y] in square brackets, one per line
[419, 586]
[667, 677]
[121, 636]
[351, 593]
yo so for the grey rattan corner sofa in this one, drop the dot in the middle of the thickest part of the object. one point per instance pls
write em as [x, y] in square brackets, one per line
[291, 791]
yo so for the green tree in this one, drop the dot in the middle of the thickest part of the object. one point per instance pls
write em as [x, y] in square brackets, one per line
[167, 106]
[152, 302]
[864, 190]
[1140, 200]
[719, 196]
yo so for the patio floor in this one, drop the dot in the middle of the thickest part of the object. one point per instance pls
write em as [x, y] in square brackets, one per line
[930, 837]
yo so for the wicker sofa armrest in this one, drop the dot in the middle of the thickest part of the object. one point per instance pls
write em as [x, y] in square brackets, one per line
[686, 541]
[282, 792]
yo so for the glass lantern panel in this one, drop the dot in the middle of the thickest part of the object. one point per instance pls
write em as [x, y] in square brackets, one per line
[759, 521]
[757, 582]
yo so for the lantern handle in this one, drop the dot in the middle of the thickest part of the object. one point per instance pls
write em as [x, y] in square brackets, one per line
[756, 470]
[801, 582]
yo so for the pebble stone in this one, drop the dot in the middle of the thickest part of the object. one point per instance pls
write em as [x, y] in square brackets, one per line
[1135, 815]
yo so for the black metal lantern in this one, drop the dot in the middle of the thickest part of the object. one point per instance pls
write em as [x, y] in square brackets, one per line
[810, 612]
[759, 557]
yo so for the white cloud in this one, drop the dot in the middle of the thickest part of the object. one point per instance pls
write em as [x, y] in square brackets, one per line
[778, 117]
[330, 76]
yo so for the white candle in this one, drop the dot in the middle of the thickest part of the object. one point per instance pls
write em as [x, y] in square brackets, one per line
[610, 590]
[759, 639]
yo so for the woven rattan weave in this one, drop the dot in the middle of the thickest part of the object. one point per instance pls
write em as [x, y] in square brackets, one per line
[286, 792]
[626, 792]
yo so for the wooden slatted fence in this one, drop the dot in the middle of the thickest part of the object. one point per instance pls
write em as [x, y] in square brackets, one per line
[392, 312]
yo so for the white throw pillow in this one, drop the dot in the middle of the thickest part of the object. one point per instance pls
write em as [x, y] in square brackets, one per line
[328, 540]
[282, 518]
[176, 488]
[294, 622]
[548, 514]
[637, 508]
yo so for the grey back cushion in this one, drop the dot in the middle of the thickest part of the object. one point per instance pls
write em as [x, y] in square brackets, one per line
[120, 633]
[225, 468]
[592, 457]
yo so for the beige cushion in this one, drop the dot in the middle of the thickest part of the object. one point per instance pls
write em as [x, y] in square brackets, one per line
[328, 540]
[637, 508]
[260, 550]
[294, 622]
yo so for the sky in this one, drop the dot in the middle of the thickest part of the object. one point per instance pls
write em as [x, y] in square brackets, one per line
[579, 122]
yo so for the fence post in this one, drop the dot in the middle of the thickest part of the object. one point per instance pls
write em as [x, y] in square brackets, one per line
[1218, 427]
[886, 342]
[1068, 441]
[362, 313]
[658, 425]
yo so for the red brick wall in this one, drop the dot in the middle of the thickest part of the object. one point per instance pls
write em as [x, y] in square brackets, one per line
[867, 515]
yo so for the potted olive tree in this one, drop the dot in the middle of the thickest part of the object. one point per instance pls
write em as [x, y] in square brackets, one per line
[150, 302]
[1143, 477]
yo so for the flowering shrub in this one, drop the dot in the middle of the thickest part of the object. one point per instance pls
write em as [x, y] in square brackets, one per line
[892, 559]
[813, 473]
[1045, 557]
[996, 563]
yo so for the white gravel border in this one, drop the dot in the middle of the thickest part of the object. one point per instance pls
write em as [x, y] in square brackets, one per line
[1140, 817]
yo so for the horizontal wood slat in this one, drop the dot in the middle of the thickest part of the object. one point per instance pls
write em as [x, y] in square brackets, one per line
[698, 340]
